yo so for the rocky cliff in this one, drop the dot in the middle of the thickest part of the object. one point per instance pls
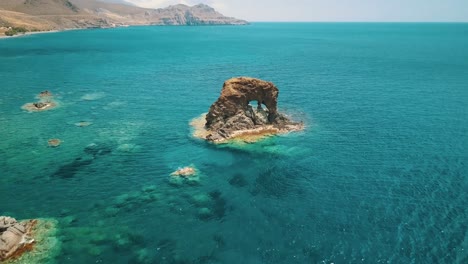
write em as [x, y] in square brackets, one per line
[69, 14]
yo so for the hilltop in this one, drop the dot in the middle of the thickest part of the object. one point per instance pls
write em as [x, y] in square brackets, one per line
[44, 15]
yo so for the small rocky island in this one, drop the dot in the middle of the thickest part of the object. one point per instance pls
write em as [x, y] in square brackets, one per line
[46, 102]
[232, 116]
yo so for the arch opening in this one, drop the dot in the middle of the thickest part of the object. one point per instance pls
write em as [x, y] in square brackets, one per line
[256, 104]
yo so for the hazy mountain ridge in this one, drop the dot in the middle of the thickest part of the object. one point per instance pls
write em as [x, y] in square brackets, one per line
[70, 14]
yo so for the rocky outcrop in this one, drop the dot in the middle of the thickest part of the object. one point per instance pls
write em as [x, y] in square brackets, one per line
[191, 16]
[28, 241]
[186, 175]
[46, 102]
[184, 172]
[232, 115]
[14, 237]
[54, 142]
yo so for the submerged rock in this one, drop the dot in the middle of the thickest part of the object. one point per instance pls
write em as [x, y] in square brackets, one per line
[204, 213]
[55, 142]
[128, 147]
[69, 170]
[83, 124]
[92, 96]
[185, 172]
[231, 116]
[97, 149]
[187, 175]
[45, 93]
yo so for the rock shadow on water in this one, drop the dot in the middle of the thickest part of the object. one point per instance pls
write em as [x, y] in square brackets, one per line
[277, 182]
[85, 243]
[209, 206]
[93, 151]
[167, 252]
[217, 209]
[69, 170]
[238, 180]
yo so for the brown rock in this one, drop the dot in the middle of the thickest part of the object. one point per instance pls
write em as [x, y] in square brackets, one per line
[39, 106]
[46, 102]
[231, 115]
[185, 172]
[55, 142]
[236, 95]
[45, 93]
[14, 237]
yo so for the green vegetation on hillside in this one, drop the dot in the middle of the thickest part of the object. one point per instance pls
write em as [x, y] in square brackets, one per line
[15, 31]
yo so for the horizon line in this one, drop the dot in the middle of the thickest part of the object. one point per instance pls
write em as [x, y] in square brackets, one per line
[318, 21]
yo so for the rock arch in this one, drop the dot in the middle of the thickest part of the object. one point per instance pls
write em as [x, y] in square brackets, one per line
[232, 116]
[236, 95]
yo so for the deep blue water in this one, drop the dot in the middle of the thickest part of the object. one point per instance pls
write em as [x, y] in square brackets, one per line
[379, 175]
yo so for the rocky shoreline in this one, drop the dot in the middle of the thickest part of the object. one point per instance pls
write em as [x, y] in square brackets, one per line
[15, 237]
[27, 241]
[232, 117]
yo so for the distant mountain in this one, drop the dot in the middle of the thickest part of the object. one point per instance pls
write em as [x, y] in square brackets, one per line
[40, 7]
[118, 2]
[69, 14]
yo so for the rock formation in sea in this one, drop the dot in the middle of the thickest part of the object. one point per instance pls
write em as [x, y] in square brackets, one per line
[231, 116]
[19, 237]
[189, 175]
[54, 142]
[14, 237]
[45, 93]
[46, 102]
[185, 172]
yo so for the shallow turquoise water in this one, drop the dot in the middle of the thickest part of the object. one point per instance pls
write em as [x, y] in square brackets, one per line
[379, 175]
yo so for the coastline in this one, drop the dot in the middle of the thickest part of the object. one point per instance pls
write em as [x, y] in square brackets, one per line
[32, 33]
[124, 26]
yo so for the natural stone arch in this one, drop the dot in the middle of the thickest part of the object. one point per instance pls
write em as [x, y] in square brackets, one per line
[232, 116]
[236, 95]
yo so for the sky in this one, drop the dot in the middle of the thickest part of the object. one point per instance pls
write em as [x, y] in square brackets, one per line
[332, 10]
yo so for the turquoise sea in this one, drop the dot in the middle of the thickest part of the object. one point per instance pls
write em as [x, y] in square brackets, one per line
[379, 175]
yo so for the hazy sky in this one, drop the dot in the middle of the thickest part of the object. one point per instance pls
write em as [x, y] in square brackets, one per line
[331, 10]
